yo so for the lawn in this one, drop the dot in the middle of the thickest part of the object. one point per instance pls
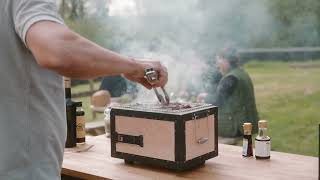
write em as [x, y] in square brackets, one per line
[289, 98]
[287, 95]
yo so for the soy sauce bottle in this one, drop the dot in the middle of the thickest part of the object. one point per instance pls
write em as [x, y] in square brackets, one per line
[247, 140]
[80, 121]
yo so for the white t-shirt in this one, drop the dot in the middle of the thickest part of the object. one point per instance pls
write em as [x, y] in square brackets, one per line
[32, 109]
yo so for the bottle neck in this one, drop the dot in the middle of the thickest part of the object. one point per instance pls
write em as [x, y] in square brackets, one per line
[262, 132]
[246, 132]
[67, 93]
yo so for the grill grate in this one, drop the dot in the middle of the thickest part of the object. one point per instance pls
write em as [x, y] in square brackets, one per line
[173, 108]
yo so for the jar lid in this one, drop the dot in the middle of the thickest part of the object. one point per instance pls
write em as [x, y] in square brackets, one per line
[263, 124]
[247, 126]
[67, 82]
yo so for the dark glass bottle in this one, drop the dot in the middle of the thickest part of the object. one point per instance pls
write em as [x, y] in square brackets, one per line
[70, 115]
[247, 140]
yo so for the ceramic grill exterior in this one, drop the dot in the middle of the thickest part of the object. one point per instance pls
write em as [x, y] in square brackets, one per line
[164, 136]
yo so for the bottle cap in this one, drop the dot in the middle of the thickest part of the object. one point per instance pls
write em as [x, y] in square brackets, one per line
[263, 124]
[247, 126]
[67, 82]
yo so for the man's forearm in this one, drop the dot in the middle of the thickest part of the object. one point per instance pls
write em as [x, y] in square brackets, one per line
[69, 54]
[83, 60]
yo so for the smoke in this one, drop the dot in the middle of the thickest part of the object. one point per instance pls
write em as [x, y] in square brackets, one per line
[184, 35]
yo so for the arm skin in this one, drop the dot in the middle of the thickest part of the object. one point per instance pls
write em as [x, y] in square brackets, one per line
[59, 49]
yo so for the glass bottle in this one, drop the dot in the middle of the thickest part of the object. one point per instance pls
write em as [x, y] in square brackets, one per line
[262, 141]
[80, 121]
[247, 140]
[70, 115]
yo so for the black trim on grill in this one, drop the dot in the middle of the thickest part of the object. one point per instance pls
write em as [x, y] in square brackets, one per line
[180, 140]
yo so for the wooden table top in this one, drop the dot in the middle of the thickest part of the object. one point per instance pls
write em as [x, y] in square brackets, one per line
[98, 164]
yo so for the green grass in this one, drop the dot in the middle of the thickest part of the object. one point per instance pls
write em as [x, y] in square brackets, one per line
[289, 98]
[84, 87]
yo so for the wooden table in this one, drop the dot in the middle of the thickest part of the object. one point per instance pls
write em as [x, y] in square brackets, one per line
[97, 164]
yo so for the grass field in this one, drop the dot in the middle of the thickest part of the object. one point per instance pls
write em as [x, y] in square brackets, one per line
[288, 97]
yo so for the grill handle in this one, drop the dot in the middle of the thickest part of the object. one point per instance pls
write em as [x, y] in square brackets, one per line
[195, 117]
[202, 140]
[129, 139]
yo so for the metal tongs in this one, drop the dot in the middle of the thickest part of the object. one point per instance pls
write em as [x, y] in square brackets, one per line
[151, 76]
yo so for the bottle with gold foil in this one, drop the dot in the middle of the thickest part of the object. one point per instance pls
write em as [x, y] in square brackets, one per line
[81, 132]
[247, 140]
[262, 141]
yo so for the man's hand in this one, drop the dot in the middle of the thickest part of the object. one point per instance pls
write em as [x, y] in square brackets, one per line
[138, 75]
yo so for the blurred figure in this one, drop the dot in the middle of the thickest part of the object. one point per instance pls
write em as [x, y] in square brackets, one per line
[234, 95]
[118, 86]
[101, 98]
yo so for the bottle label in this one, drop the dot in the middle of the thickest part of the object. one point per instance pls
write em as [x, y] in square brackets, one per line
[245, 147]
[81, 132]
[263, 148]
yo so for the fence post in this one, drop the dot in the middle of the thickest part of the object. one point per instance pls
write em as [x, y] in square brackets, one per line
[91, 84]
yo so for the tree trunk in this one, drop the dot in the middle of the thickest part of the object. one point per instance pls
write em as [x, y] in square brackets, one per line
[62, 8]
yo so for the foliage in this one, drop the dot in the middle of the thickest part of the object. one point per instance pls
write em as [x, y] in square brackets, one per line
[92, 29]
[297, 22]
[246, 23]
[265, 23]
[72, 8]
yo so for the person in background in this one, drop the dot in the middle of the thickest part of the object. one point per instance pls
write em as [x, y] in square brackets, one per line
[234, 96]
[36, 50]
[118, 86]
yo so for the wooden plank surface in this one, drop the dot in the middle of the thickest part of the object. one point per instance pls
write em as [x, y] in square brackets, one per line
[97, 164]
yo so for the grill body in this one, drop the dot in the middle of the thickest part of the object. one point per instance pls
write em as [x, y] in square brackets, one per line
[178, 136]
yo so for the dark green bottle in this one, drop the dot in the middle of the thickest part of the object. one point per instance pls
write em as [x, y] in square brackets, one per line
[71, 108]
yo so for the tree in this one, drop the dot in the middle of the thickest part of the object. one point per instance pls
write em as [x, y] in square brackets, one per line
[72, 8]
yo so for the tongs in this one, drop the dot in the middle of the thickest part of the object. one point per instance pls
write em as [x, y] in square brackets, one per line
[151, 76]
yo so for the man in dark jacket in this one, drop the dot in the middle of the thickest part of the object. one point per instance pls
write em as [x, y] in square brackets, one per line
[234, 96]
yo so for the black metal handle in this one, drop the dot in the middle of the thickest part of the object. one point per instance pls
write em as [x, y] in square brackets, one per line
[129, 139]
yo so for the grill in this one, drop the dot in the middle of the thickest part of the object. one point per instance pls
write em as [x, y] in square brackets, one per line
[177, 136]
[173, 108]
